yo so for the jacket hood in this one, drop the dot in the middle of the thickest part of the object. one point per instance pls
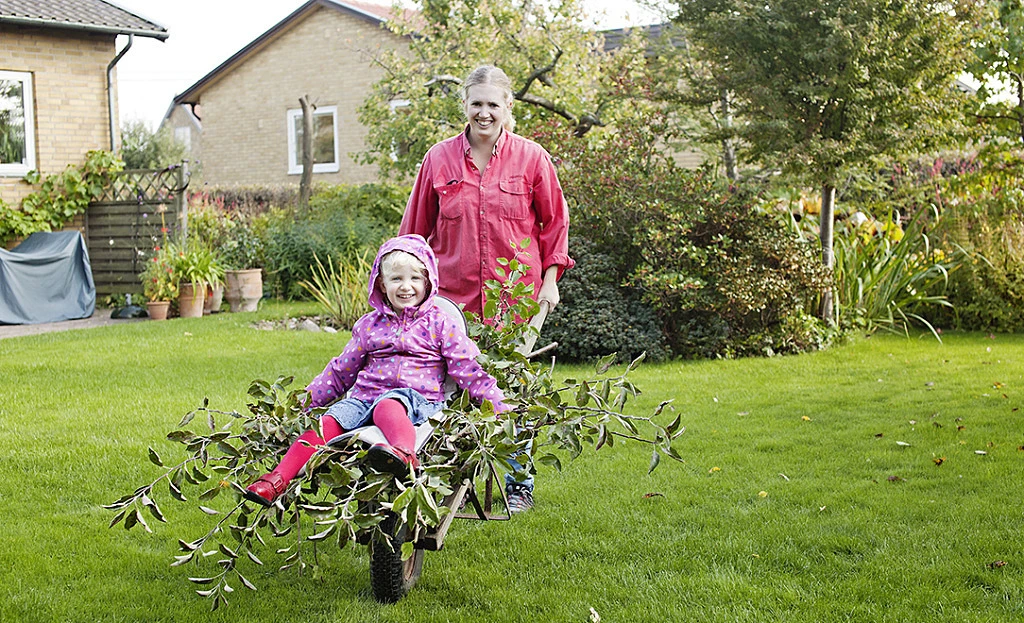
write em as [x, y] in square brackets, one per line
[415, 245]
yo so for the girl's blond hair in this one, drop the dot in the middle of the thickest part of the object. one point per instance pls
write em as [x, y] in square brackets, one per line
[397, 259]
[489, 74]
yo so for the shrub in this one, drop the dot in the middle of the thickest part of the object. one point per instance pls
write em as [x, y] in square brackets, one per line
[341, 223]
[598, 316]
[341, 290]
[717, 269]
[142, 148]
[983, 212]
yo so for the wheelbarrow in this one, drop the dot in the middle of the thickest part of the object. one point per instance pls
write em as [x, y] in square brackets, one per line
[391, 578]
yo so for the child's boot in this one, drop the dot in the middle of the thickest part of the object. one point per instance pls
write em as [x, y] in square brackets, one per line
[266, 489]
[393, 460]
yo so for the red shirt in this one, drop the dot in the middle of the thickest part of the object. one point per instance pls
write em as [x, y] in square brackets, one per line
[469, 219]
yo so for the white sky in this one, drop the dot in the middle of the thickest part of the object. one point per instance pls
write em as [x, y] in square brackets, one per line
[205, 33]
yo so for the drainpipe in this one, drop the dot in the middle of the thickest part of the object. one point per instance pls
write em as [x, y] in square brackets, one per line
[110, 90]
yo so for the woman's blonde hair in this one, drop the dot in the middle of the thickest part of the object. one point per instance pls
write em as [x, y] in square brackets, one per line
[489, 74]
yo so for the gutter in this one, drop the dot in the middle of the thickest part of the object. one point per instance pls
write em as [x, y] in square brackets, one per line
[92, 28]
[110, 90]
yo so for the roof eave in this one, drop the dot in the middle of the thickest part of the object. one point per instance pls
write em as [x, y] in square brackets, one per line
[109, 30]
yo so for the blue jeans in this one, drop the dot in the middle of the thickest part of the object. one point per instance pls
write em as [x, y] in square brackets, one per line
[517, 467]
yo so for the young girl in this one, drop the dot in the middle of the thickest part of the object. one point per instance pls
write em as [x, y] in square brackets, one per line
[395, 365]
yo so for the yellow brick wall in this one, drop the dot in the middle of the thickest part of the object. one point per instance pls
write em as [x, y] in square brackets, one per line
[244, 114]
[69, 80]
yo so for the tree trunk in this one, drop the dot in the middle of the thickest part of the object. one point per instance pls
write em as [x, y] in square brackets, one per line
[307, 151]
[728, 151]
[827, 217]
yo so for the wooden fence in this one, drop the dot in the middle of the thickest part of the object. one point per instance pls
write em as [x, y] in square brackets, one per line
[135, 214]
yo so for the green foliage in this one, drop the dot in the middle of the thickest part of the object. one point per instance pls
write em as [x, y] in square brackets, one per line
[999, 66]
[237, 237]
[885, 281]
[159, 282]
[560, 74]
[726, 278]
[983, 212]
[194, 262]
[341, 291]
[341, 223]
[142, 148]
[344, 498]
[60, 197]
[597, 316]
[820, 88]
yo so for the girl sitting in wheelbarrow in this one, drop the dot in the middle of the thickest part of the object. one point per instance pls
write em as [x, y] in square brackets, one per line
[395, 366]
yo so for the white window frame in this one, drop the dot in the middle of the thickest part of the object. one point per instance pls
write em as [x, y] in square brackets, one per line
[395, 106]
[19, 169]
[294, 166]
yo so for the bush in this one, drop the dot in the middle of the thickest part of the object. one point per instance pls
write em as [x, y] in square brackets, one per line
[983, 212]
[341, 223]
[597, 316]
[727, 279]
[142, 148]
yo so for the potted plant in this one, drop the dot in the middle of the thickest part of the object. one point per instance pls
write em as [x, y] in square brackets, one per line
[242, 252]
[159, 284]
[196, 267]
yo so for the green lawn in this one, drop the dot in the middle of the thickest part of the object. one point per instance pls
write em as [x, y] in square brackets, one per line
[796, 501]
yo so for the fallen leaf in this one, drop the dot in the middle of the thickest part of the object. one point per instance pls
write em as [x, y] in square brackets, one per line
[981, 452]
[879, 435]
[654, 494]
[903, 444]
[594, 616]
[913, 422]
[784, 477]
[743, 413]
[997, 385]
[895, 479]
[939, 461]
[762, 494]
[996, 564]
[714, 469]
[821, 509]
[961, 427]
[806, 419]
[930, 384]
[936, 425]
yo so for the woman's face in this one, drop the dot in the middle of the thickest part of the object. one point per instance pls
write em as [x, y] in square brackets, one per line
[486, 109]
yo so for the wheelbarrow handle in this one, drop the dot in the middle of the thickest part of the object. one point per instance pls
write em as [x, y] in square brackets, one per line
[537, 322]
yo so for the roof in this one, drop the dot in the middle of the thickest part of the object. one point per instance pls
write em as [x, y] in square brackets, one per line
[613, 38]
[374, 13]
[96, 16]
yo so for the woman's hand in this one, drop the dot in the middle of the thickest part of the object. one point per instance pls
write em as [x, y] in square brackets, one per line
[549, 288]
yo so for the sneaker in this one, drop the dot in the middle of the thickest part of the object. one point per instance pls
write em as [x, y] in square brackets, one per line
[520, 498]
[391, 460]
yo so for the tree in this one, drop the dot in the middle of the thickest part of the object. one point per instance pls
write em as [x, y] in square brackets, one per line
[821, 87]
[561, 74]
[1000, 61]
[142, 148]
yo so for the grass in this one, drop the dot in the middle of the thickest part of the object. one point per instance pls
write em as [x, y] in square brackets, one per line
[851, 526]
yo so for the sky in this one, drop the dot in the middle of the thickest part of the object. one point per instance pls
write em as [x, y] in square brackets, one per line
[205, 33]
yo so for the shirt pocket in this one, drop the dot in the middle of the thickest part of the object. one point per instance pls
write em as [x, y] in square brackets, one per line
[516, 198]
[450, 200]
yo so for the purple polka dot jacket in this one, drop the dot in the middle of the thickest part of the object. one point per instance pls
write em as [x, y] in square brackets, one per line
[414, 349]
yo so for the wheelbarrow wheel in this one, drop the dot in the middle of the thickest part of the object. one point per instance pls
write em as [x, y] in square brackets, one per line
[390, 576]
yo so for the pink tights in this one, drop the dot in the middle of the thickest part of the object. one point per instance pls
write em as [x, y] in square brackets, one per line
[389, 416]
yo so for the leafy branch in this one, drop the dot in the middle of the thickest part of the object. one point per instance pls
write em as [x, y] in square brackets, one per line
[339, 500]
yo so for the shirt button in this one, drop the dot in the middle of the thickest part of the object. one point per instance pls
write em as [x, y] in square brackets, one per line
[481, 212]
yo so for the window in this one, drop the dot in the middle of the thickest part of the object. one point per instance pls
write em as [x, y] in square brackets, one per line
[325, 140]
[17, 124]
[399, 148]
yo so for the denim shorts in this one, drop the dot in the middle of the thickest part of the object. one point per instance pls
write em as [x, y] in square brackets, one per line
[351, 413]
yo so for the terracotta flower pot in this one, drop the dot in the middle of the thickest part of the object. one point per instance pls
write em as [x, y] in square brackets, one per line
[158, 309]
[190, 300]
[243, 289]
[214, 298]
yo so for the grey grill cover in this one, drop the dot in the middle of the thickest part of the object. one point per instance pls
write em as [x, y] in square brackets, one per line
[46, 278]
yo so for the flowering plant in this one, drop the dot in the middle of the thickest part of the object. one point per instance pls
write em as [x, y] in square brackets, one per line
[159, 282]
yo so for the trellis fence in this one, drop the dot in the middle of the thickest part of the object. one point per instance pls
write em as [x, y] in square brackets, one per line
[136, 213]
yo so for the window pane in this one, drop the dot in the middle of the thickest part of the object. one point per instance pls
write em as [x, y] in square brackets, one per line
[323, 138]
[12, 122]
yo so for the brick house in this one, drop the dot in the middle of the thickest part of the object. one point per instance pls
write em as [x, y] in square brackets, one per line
[241, 119]
[58, 84]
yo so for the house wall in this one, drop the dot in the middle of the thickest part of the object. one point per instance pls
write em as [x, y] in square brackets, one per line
[244, 114]
[69, 75]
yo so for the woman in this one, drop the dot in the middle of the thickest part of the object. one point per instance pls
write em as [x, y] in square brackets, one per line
[481, 190]
[484, 188]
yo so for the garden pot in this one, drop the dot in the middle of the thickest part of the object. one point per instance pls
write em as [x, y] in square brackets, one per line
[158, 309]
[214, 298]
[190, 300]
[243, 289]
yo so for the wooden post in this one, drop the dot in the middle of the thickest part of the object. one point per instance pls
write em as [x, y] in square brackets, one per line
[307, 151]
